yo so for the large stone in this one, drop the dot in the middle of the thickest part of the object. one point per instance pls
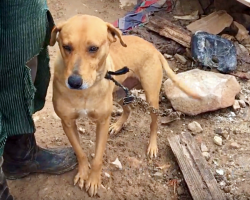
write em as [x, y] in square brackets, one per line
[216, 90]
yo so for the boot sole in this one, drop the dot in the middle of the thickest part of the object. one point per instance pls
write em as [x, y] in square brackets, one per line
[10, 176]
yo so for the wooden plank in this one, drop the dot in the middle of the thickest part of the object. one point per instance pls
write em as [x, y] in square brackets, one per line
[213, 23]
[169, 30]
[197, 174]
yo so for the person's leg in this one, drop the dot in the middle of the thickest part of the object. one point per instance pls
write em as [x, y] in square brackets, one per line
[22, 156]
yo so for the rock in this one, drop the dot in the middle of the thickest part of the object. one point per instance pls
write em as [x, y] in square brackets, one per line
[218, 140]
[204, 148]
[222, 184]
[167, 56]
[107, 174]
[195, 127]
[227, 189]
[218, 131]
[216, 90]
[130, 182]
[237, 131]
[180, 58]
[163, 167]
[206, 155]
[82, 130]
[236, 105]
[158, 174]
[180, 191]
[234, 145]
[117, 163]
[142, 96]
[225, 134]
[242, 103]
[220, 172]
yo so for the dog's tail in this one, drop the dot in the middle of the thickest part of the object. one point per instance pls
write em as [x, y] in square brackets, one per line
[176, 81]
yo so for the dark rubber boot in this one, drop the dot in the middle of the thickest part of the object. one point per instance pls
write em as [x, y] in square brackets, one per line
[4, 190]
[22, 156]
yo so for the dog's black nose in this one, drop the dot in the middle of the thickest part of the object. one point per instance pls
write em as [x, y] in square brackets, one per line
[75, 81]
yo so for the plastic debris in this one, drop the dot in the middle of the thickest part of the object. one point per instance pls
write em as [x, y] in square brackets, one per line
[214, 51]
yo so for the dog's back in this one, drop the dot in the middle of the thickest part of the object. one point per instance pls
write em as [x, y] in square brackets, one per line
[137, 52]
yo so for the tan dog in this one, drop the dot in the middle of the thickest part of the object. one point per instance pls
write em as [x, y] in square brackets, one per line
[88, 49]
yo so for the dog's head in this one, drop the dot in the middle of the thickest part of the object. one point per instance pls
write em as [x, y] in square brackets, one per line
[84, 43]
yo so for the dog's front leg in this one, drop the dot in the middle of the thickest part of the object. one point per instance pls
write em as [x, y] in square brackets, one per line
[70, 129]
[94, 179]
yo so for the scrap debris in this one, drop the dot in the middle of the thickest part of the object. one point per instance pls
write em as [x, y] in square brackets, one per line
[214, 51]
[142, 11]
[219, 49]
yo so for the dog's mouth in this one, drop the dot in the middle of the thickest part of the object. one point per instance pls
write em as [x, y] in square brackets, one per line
[75, 82]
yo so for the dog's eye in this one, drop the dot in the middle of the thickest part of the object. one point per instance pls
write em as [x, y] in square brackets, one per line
[67, 48]
[93, 49]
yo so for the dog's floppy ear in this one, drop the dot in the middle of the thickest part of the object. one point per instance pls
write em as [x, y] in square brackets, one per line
[54, 32]
[113, 32]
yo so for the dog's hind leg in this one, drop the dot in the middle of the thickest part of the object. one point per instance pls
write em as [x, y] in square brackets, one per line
[117, 126]
[151, 83]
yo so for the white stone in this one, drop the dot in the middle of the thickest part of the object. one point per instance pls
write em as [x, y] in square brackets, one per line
[117, 163]
[234, 145]
[167, 56]
[220, 172]
[82, 130]
[195, 127]
[216, 90]
[242, 103]
[107, 174]
[180, 58]
[204, 148]
[236, 105]
[206, 155]
[218, 140]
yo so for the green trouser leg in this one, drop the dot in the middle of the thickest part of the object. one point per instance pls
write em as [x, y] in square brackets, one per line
[22, 156]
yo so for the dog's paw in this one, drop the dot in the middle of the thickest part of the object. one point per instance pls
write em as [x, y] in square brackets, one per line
[93, 183]
[81, 176]
[115, 128]
[152, 150]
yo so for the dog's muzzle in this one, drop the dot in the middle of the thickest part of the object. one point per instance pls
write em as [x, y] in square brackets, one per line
[75, 82]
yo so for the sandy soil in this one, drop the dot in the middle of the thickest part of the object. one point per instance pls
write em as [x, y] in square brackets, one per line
[138, 178]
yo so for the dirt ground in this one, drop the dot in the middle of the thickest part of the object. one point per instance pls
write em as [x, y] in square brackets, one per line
[140, 178]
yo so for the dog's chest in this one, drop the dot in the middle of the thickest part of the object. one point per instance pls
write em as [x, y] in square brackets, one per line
[83, 113]
[89, 113]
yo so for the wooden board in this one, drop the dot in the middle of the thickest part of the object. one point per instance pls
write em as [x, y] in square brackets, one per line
[197, 174]
[213, 23]
[169, 30]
